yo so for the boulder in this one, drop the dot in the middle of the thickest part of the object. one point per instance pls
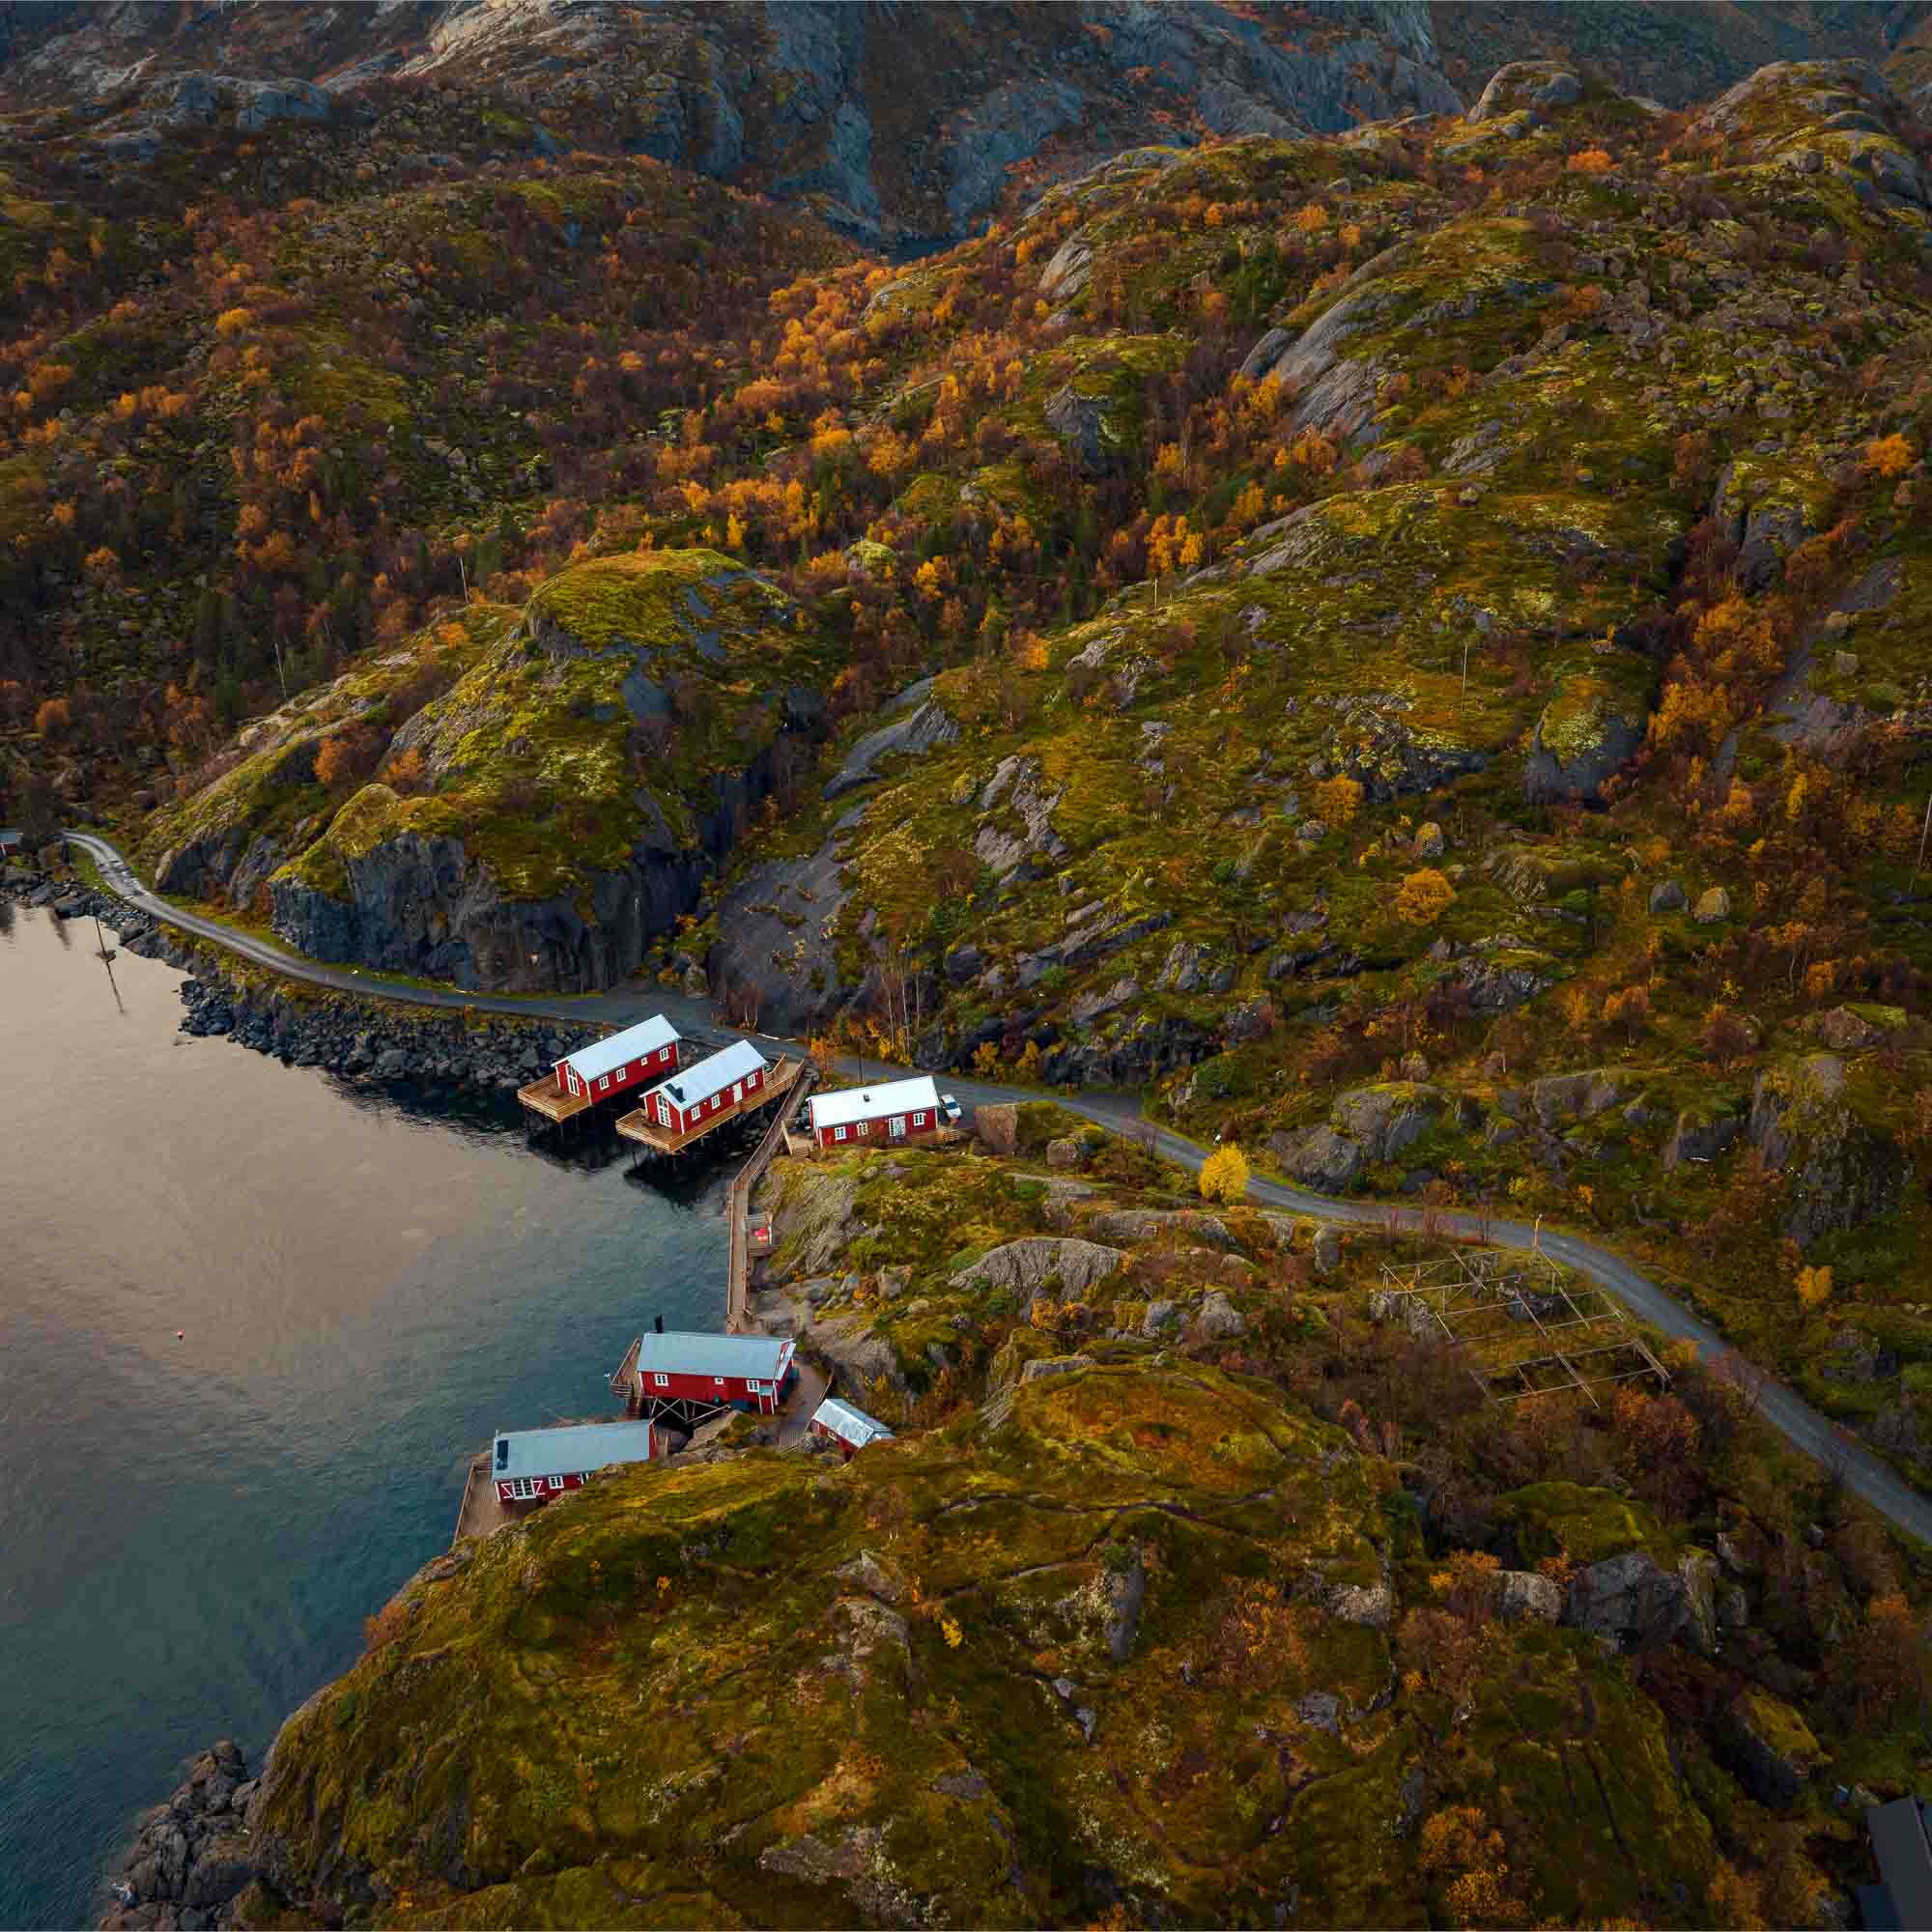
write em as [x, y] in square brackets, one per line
[1713, 907]
[1217, 1319]
[1429, 843]
[1071, 1152]
[997, 1124]
[1592, 727]
[1854, 1029]
[1539, 87]
[1318, 1157]
[1328, 1249]
[1160, 1317]
[1769, 1746]
[1838, 1171]
[1667, 897]
[1522, 1594]
[1387, 1119]
[1048, 1365]
[1027, 1264]
[1630, 1598]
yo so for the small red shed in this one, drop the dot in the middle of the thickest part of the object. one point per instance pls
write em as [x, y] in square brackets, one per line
[534, 1464]
[898, 1110]
[681, 1375]
[646, 1051]
[726, 1079]
[836, 1421]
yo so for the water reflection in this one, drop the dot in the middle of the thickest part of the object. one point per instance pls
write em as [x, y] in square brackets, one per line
[365, 1282]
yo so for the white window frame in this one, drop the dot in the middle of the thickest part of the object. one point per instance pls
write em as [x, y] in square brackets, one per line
[897, 1126]
[918, 1120]
[737, 1092]
[839, 1134]
[861, 1129]
[660, 1381]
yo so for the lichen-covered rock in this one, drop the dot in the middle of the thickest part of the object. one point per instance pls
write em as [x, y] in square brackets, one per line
[1630, 1598]
[1543, 87]
[1838, 1171]
[1592, 727]
[1527, 1594]
[1768, 1745]
[1027, 1265]
[1713, 907]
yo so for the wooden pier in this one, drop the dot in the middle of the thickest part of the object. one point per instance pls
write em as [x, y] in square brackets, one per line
[549, 1101]
[738, 1206]
[638, 1125]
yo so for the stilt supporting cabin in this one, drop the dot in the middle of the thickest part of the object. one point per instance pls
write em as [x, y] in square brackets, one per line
[685, 1377]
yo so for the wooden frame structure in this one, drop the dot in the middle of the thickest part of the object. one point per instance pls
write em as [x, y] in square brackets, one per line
[1528, 1328]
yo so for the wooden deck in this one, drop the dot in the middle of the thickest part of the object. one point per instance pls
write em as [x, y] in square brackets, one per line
[638, 1125]
[542, 1096]
[481, 1512]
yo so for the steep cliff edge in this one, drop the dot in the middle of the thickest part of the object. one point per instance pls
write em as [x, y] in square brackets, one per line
[531, 825]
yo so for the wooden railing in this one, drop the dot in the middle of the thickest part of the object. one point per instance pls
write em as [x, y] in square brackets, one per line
[737, 1203]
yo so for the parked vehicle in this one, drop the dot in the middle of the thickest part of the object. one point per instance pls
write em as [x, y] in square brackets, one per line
[949, 1107]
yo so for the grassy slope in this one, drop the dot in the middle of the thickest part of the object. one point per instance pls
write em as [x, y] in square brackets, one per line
[775, 1690]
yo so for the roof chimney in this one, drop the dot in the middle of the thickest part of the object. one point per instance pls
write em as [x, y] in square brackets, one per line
[659, 1327]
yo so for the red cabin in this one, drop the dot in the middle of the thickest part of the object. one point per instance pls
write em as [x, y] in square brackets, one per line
[684, 1375]
[646, 1051]
[836, 1421]
[534, 1464]
[708, 1089]
[900, 1110]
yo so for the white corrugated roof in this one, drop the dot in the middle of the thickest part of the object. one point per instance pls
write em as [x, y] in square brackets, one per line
[872, 1103]
[850, 1424]
[758, 1358]
[569, 1452]
[737, 1061]
[633, 1043]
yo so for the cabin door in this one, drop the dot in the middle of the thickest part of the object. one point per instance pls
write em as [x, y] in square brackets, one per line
[899, 1126]
[737, 1092]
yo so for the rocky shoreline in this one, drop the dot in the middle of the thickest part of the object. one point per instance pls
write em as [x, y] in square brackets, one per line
[372, 1039]
[193, 1857]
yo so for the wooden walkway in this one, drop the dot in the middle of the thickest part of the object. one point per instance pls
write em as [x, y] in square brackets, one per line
[638, 1125]
[737, 1206]
[544, 1098]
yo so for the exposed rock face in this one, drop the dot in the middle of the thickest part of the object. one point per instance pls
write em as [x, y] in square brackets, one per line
[918, 729]
[193, 1854]
[1700, 1135]
[1365, 1125]
[1838, 1171]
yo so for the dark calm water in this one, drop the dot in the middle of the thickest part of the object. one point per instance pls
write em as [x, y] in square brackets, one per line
[192, 1531]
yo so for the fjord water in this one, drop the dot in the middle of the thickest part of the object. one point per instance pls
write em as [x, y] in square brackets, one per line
[191, 1531]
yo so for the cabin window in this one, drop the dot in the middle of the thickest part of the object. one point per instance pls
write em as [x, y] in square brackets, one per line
[718, 1382]
[863, 1126]
[664, 1053]
[840, 1133]
[756, 1388]
[602, 1082]
[737, 1092]
[557, 1482]
[918, 1120]
[661, 1382]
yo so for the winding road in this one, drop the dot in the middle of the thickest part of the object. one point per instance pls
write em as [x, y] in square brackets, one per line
[1801, 1425]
